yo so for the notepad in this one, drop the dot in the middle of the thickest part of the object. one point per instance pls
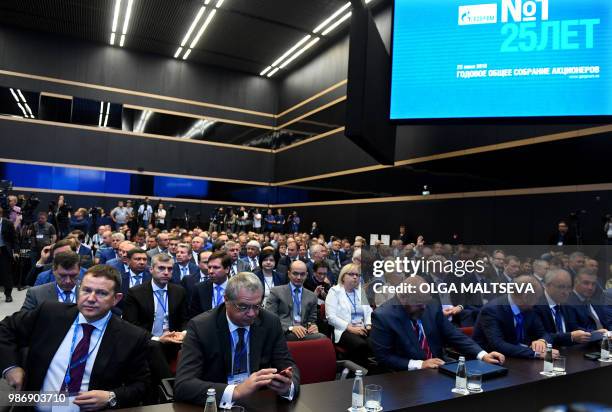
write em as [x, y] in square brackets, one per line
[487, 370]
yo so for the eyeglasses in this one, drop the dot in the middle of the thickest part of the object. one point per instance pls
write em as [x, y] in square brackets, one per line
[245, 308]
[300, 274]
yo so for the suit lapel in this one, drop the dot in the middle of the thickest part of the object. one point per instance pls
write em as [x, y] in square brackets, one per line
[224, 339]
[149, 301]
[256, 341]
[106, 351]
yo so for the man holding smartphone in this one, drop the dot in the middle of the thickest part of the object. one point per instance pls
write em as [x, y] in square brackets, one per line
[252, 345]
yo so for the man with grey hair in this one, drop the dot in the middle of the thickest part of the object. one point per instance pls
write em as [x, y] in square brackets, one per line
[162, 240]
[557, 318]
[540, 268]
[233, 250]
[236, 348]
[252, 251]
[576, 262]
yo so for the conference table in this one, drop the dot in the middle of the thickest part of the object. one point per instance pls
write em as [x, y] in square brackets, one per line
[523, 388]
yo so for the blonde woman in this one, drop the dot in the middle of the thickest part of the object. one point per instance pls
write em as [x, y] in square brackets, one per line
[349, 313]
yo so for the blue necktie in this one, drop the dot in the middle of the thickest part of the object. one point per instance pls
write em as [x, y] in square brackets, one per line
[240, 354]
[137, 280]
[183, 272]
[558, 318]
[519, 327]
[219, 295]
[296, 303]
[67, 297]
[158, 324]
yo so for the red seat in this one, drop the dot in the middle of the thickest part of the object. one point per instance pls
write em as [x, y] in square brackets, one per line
[468, 330]
[316, 360]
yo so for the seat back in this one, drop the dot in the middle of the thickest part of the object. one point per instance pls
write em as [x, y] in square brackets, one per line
[316, 360]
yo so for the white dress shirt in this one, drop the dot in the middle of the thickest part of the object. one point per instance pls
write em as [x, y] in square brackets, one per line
[57, 369]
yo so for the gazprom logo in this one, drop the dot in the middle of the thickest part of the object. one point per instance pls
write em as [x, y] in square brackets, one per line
[478, 14]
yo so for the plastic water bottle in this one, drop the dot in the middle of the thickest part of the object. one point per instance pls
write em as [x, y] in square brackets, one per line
[605, 348]
[461, 378]
[357, 399]
[211, 401]
[548, 359]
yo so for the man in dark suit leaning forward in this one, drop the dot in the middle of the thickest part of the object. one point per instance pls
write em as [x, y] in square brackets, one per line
[409, 332]
[82, 350]
[236, 348]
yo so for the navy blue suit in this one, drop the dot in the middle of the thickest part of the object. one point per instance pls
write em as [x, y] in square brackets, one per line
[189, 283]
[495, 329]
[395, 343]
[176, 272]
[277, 277]
[117, 264]
[107, 254]
[125, 281]
[583, 316]
[546, 318]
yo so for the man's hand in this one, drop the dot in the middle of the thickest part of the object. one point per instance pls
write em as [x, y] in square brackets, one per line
[281, 384]
[256, 381]
[313, 329]
[538, 346]
[580, 336]
[92, 400]
[299, 331]
[555, 354]
[357, 330]
[451, 311]
[44, 255]
[433, 363]
[495, 358]
[171, 337]
[15, 377]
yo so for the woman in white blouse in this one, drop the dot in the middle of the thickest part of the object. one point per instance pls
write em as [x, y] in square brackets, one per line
[348, 312]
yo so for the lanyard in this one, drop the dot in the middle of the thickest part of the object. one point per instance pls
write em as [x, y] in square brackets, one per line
[163, 306]
[353, 301]
[85, 357]
[60, 295]
[269, 285]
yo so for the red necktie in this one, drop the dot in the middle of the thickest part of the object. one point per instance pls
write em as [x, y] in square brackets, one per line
[78, 360]
[422, 340]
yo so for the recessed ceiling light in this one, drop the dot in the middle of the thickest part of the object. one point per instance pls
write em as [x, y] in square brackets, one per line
[337, 23]
[331, 18]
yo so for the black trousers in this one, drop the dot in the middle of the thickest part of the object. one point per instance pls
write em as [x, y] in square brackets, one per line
[357, 347]
[6, 270]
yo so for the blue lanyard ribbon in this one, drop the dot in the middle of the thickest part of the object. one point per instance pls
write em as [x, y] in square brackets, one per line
[353, 301]
[163, 306]
[84, 358]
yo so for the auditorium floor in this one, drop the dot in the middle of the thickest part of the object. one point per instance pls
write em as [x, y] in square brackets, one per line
[10, 308]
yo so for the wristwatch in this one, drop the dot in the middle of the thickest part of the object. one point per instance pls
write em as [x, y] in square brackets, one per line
[290, 329]
[112, 400]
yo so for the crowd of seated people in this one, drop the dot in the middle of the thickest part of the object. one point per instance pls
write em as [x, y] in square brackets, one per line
[110, 316]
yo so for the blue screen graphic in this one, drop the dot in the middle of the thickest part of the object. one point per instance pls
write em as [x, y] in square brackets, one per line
[179, 187]
[501, 58]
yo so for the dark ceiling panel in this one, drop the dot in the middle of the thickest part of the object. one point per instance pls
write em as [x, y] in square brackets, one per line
[246, 35]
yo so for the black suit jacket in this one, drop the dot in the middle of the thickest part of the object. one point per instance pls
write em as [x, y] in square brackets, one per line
[120, 364]
[207, 356]
[189, 283]
[201, 300]
[9, 236]
[139, 306]
[559, 338]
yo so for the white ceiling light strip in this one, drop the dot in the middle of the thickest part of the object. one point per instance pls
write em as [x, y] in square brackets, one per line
[142, 122]
[126, 21]
[323, 29]
[22, 103]
[103, 116]
[198, 128]
[200, 32]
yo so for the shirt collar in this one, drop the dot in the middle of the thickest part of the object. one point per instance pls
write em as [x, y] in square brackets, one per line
[99, 324]
[293, 288]
[515, 309]
[550, 301]
[73, 290]
[580, 297]
[133, 274]
[223, 285]
[233, 327]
